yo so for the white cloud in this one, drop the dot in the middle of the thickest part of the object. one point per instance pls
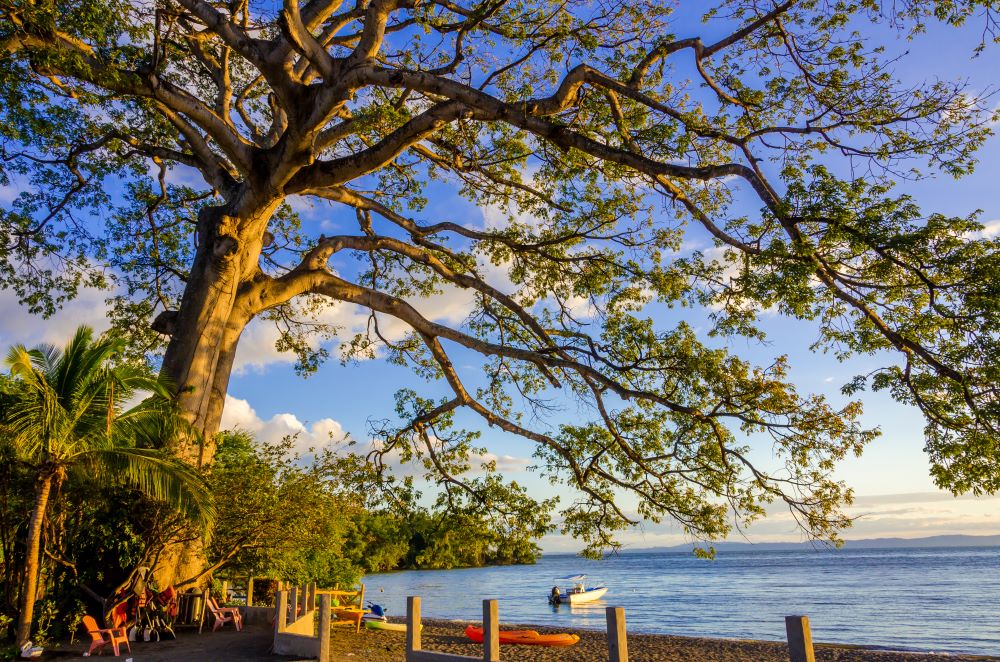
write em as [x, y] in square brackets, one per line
[725, 256]
[504, 463]
[9, 192]
[328, 433]
[19, 326]
[324, 433]
[496, 217]
[909, 515]
[990, 229]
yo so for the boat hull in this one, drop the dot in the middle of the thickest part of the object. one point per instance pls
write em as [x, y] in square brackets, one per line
[590, 595]
[525, 637]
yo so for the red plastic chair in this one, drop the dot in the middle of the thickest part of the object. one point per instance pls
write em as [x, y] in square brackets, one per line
[224, 615]
[101, 637]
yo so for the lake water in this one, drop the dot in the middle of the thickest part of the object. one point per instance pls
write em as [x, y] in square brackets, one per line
[942, 599]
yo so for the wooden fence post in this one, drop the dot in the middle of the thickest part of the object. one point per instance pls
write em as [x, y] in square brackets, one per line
[412, 625]
[800, 642]
[324, 628]
[617, 637]
[491, 631]
[280, 611]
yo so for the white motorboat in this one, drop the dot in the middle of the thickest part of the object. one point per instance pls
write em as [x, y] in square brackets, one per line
[577, 593]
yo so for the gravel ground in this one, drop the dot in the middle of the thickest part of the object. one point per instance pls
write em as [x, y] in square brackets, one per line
[254, 643]
[449, 637]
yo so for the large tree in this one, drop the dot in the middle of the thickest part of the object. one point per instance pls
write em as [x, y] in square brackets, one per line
[609, 145]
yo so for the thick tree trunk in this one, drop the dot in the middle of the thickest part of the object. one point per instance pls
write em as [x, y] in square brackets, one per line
[196, 342]
[26, 608]
[206, 329]
[204, 337]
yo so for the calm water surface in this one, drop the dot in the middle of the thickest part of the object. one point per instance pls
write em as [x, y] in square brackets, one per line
[944, 599]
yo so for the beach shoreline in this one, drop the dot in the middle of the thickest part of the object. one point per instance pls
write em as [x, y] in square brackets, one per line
[448, 636]
[254, 645]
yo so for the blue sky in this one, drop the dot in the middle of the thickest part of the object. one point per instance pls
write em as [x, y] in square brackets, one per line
[891, 480]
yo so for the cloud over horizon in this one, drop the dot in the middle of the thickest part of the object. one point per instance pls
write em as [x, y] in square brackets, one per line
[903, 515]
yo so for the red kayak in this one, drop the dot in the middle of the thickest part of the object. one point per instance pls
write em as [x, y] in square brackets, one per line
[525, 637]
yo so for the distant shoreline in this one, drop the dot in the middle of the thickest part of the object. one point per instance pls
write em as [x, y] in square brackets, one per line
[928, 542]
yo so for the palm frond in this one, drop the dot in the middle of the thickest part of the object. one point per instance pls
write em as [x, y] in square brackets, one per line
[156, 474]
[25, 363]
[45, 355]
[34, 417]
[80, 358]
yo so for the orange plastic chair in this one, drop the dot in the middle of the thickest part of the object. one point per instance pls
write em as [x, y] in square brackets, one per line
[224, 615]
[101, 637]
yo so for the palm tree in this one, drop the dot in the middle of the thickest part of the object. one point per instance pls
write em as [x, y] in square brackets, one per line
[64, 414]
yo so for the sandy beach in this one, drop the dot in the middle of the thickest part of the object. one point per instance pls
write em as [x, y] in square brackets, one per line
[448, 637]
[254, 644]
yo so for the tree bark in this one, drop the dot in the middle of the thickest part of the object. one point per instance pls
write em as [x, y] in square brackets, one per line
[26, 608]
[212, 316]
[204, 338]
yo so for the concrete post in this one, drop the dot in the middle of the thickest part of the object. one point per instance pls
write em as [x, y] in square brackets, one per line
[293, 602]
[617, 637]
[225, 592]
[250, 591]
[800, 642]
[311, 597]
[324, 627]
[412, 625]
[280, 611]
[491, 631]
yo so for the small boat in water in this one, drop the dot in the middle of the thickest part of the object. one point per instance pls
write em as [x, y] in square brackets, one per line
[578, 593]
[525, 637]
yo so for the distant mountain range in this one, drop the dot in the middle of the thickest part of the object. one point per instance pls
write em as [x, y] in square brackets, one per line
[870, 543]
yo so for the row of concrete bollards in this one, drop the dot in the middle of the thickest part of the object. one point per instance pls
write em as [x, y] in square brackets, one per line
[800, 647]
